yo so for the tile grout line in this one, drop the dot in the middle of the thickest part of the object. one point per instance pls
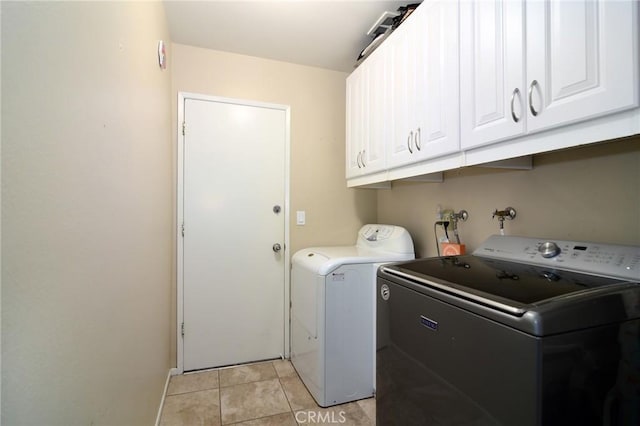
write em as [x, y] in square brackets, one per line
[257, 418]
[288, 401]
[251, 381]
[219, 398]
[192, 391]
[276, 377]
[220, 388]
[292, 411]
[248, 383]
[307, 409]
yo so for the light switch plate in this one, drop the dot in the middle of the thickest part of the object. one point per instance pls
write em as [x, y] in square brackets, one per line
[300, 217]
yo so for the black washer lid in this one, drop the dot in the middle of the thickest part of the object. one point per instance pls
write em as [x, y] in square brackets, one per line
[514, 284]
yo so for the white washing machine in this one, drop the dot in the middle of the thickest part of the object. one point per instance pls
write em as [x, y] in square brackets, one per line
[333, 312]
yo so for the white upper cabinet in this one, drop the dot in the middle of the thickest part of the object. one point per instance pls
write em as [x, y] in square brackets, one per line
[581, 62]
[402, 73]
[424, 51]
[355, 121]
[468, 82]
[367, 108]
[379, 92]
[582, 58]
[492, 71]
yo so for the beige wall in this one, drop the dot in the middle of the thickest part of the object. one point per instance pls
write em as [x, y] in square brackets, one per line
[86, 213]
[590, 193]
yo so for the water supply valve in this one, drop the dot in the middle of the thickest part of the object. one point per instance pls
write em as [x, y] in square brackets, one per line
[446, 218]
[461, 215]
[507, 213]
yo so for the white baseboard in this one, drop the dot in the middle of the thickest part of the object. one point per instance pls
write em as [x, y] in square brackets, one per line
[172, 372]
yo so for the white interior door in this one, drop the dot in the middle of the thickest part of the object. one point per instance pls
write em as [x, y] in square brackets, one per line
[233, 278]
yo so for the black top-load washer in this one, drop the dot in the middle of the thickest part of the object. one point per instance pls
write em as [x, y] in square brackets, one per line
[522, 332]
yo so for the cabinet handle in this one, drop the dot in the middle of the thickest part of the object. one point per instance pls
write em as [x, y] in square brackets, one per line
[409, 141]
[516, 91]
[531, 86]
[362, 158]
[358, 159]
[417, 139]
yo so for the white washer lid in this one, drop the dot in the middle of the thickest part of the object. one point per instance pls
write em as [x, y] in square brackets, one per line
[324, 260]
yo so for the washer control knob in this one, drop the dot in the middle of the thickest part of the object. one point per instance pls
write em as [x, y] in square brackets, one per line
[549, 249]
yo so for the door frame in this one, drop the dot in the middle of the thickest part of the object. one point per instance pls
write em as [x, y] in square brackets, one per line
[182, 97]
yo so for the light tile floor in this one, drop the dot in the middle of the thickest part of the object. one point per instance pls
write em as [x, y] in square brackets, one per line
[262, 394]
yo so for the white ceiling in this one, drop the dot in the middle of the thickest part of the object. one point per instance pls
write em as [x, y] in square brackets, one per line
[321, 33]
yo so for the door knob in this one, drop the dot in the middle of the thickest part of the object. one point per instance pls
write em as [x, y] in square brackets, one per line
[276, 247]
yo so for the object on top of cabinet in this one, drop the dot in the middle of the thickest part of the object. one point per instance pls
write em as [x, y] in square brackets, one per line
[383, 27]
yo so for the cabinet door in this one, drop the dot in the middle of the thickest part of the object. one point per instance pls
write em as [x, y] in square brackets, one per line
[437, 80]
[582, 60]
[492, 88]
[379, 129]
[356, 115]
[425, 96]
[402, 75]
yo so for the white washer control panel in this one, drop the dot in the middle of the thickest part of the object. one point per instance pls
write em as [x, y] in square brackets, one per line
[376, 232]
[389, 238]
[607, 260]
